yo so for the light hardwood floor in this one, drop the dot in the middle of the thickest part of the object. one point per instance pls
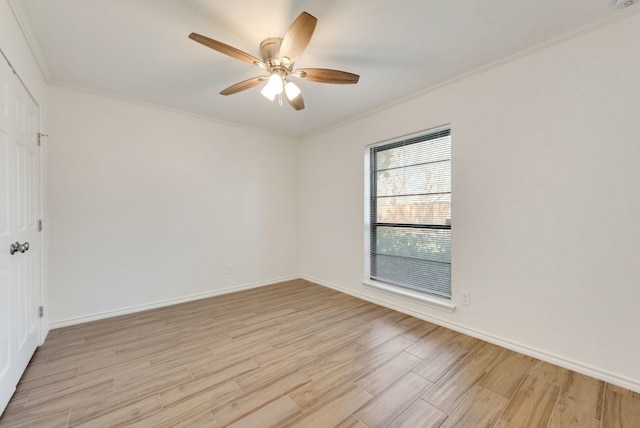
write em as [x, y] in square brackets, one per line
[297, 354]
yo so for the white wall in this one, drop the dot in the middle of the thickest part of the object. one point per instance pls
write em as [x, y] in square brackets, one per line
[151, 206]
[15, 47]
[546, 232]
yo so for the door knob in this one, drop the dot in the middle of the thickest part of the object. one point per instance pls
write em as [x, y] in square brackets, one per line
[14, 248]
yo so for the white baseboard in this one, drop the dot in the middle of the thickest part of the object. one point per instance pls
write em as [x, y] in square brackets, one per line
[154, 305]
[505, 343]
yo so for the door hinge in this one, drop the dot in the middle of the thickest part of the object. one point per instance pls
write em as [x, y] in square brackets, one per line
[40, 135]
[41, 311]
[39, 225]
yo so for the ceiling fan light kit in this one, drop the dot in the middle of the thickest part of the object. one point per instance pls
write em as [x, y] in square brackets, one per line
[278, 59]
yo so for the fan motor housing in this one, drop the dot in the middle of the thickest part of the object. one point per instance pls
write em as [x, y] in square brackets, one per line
[269, 48]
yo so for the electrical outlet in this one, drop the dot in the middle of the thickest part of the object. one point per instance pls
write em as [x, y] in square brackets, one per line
[228, 270]
[466, 298]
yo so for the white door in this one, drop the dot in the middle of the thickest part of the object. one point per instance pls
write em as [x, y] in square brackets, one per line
[19, 212]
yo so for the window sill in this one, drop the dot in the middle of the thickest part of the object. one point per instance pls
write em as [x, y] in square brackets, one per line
[431, 301]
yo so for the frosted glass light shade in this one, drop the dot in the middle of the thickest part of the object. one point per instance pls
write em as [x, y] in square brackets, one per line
[268, 93]
[291, 90]
[273, 87]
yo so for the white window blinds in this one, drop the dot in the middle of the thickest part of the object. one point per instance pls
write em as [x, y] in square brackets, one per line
[410, 213]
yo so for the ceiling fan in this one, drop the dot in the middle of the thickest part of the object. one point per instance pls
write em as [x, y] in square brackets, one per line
[278, 58]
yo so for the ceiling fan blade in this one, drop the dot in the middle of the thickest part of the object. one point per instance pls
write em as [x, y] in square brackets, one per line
[297, 103]
[297, 36]
[245, 84]
[326, 75]
[225, 49]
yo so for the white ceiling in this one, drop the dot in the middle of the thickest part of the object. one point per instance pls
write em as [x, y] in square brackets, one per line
[138, 49]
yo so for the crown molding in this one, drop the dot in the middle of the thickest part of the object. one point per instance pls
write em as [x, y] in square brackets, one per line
[623, 14]
[23, 23]
[160, 107]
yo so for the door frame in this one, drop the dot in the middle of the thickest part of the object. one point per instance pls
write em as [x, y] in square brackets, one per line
[43, 234]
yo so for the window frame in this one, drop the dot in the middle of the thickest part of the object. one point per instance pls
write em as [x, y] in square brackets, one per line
[441, 303]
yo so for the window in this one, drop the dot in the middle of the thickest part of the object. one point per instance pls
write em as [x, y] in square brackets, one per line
[409, 210]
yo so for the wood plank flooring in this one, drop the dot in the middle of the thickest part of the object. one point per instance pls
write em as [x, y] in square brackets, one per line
[297, 354]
